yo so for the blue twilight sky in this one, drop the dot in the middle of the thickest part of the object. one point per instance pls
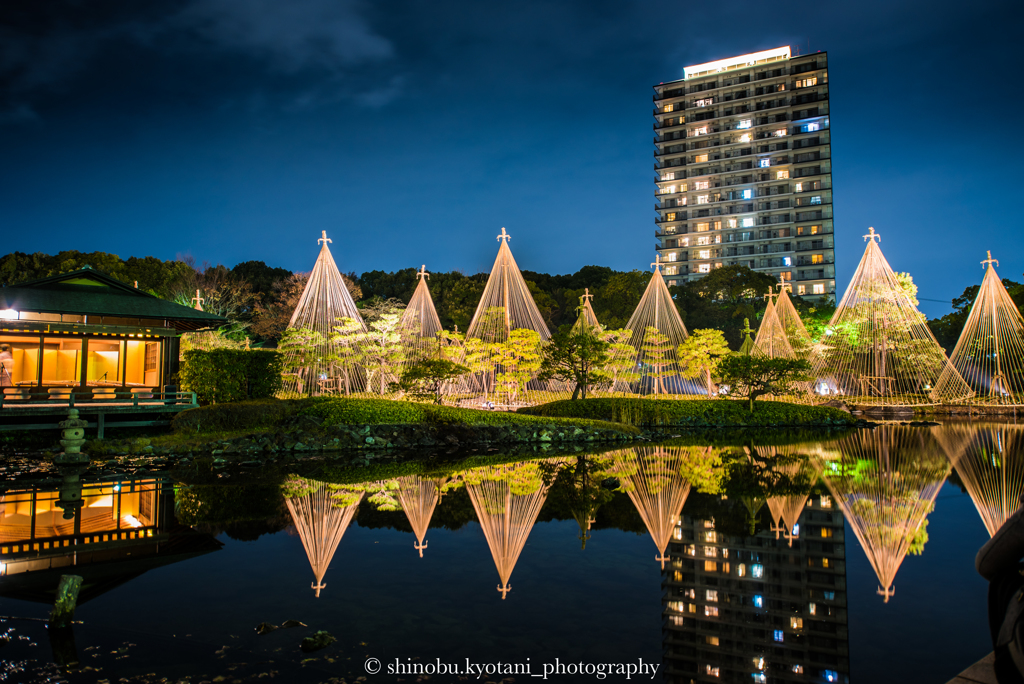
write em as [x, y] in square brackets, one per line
[413, 131]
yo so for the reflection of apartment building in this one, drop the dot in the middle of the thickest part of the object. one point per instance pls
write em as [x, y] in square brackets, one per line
[743, 166]
[755, 609]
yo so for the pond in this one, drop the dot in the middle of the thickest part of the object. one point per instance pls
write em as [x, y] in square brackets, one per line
[843, 558]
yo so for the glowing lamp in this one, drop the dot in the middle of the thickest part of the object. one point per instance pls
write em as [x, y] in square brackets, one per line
[8, 315]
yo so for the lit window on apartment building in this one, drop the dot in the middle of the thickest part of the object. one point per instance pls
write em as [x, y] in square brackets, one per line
[677, 534]
[703, 199]
[705, 102]
[668, 189]
[745, 123]
[817, 258]
[730, 223]
[798, 669]
[703, 240]
[700, 159]
[765, 163]
[690, 550]
[668, 176]
[807, 82]
[826, 532]
[676, 606]
[798, 187]
[672, 256]
[787, 261]
[700, 185]
[796, 622]
[711, 671]
[809, 128]
[684, 242]
[826, 502]
[702, 130]
[678, 620]
[748, 223]
[748, 193]
[801, 289]
[780, 133]
[711, 551]
[668, 108]
[831, 676]
[711, 640]
[744, 138]
[812, 608]
[690, 593]
[710, 566]
[741, 570]
[816, 199]
[671, 216]
[759, 601]
[819, 288]
[711, 537]
[780, 175]
[757, 571]
[759, 678]
[710, 611]
[704, 254]
[779, 636]
[711, 595]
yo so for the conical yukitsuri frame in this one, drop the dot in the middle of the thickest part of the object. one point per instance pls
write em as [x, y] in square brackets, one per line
[990, 352]
[878, 350]
[325, 304]
[657, 331]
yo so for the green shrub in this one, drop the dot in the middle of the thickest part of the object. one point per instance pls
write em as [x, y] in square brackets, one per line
[226, 375]
[242, 415]
[692, 413]
[342, 411]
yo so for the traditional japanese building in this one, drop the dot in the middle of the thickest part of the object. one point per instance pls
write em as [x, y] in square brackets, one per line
[89, 334]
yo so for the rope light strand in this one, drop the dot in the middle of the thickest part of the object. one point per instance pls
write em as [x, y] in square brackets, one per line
[990, 462]
[878, 350]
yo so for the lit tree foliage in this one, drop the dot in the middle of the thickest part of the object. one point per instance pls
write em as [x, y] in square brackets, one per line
[700, 355]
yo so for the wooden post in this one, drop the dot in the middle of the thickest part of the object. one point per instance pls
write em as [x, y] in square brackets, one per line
[65, 602]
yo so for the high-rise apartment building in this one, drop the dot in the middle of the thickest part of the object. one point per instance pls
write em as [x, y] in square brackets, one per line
[744, 170]
[756, 609]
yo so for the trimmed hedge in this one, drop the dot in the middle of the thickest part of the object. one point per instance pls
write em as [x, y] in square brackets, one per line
[227, 375]
[693, 413]
[342, 411]
[331, 411]
[242, 415]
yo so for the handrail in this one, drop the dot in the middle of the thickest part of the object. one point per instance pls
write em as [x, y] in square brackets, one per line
[133, 399]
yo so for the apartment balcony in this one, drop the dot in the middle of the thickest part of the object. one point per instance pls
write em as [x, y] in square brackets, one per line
[805, 261]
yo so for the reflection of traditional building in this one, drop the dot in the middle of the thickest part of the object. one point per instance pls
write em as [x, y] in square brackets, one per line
[321, 514]
[108, 532]
[886, 481]
[755, 609]
[507, 500]
[990, 462]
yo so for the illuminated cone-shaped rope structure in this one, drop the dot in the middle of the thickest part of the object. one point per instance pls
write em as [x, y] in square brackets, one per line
[587, 316]
[771, 340]
[990, 352]
[877, 348]
[506, 303]
[321, 514]
[796, 332]
[507, 500]
[990, 463]
[886, 483]
[657, 331]
[653, 479]
[419, 497]
[419, 320]
[330, 366]
[507, 318]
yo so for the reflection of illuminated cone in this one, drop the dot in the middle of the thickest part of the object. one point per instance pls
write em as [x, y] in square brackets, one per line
[418, 497]
[321, 520]
[505, 518]
[991, 466]
[786, 510]
[886, 483]
[651, 477]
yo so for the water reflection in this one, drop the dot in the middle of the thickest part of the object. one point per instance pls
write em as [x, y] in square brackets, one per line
[989, 460]
[885, 481]
[749, 536]
[321, 512]
[507, 500]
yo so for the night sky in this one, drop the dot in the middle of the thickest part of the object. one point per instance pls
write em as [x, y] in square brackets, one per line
[413, 131]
